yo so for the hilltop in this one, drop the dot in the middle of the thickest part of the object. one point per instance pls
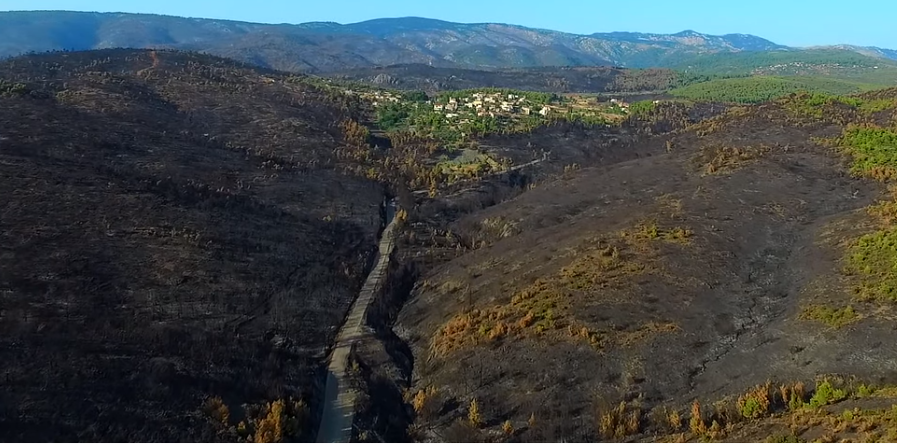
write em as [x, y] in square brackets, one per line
[320, 47]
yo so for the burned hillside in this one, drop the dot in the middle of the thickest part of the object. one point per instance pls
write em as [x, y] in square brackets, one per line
[748, 247]
[176, 232]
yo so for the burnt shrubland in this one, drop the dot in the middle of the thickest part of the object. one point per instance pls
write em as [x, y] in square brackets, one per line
[175, 227]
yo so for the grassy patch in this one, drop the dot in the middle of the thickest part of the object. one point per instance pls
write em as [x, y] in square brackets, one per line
[878, 105]
[642, 108]
[9, 89]
[874, 151]
[650, 231]
[783, 414]
[884, 212]
[813, 105]
[874, 259]
[833, 317]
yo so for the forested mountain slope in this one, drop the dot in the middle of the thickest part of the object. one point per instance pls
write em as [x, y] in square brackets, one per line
[331, 46]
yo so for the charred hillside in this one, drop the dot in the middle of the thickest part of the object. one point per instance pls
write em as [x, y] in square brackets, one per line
[749, 247]
[178, 244]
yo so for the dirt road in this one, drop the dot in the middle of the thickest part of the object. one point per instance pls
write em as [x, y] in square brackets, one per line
[339, 397]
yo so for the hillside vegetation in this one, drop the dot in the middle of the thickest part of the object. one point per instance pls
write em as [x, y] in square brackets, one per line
[759, 89]
[831, 63]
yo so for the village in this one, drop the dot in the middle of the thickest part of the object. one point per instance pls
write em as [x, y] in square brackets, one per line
[492, 105]
[498, 104]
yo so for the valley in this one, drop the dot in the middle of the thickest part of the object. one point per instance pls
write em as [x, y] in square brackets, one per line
[693, 241]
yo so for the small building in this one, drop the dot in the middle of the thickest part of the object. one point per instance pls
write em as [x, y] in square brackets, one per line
[545, 110]
[526, 110]
[438, 107]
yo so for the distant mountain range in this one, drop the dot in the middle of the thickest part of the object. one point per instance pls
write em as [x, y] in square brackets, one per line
[326, 46]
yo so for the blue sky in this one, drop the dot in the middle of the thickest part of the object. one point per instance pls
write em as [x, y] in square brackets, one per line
[789, 22]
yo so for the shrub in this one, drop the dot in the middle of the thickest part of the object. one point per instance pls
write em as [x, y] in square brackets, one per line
[826, 394]
[642, 108]
[675, 420]
[273, 421]
[755, 403]
[783, 438]
[696, 423]
[873, 257]
[218, 411]
[473, 414]
[874, 151]
[864, 391]
[833, 317]
[793, 395]
[426, 402]
[619, 422]
[752, 409]
[507, 428]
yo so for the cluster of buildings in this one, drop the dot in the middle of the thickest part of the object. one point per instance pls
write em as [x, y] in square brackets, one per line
[382, 97]
[485, 104]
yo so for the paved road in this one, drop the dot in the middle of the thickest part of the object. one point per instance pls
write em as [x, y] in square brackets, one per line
[339, 397]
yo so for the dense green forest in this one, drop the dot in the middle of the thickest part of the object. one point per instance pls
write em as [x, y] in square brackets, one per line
[758, 89]
[832, 63]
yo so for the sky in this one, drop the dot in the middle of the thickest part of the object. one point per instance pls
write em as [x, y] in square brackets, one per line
[787, 22]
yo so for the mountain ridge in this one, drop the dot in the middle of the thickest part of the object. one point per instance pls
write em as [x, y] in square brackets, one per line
[329, 46]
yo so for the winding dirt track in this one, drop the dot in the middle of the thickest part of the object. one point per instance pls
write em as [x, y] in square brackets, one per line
[339, 397]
